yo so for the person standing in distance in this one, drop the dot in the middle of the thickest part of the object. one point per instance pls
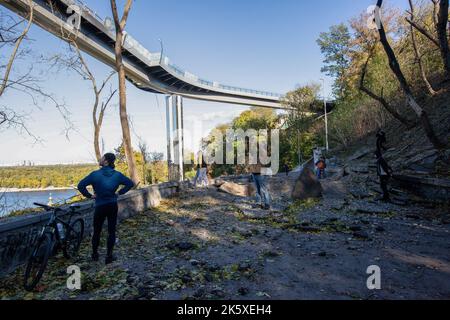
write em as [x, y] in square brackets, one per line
[105, 183]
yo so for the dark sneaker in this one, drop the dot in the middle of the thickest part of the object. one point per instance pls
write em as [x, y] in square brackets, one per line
[109, 259]
[266, 207]
[95, 257]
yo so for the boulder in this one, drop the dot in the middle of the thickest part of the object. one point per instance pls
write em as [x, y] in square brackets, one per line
[307, 186]
[219, 182]
[240, 190]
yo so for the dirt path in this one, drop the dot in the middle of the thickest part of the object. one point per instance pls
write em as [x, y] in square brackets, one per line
[210, 245]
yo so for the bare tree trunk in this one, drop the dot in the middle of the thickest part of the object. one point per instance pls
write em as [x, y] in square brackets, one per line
[442, 35]
[435, 12]
[417, 53]
[120, 27]
[395, 67]
[98, 122]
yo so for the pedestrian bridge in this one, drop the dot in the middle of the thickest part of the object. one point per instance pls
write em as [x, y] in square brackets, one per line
[153, 72]
[73, 21]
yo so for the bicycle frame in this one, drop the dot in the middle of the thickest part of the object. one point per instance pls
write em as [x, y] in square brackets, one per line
[52, 224]
[50, 237]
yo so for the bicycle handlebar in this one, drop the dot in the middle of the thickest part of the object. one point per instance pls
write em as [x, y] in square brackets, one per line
[44, 206]
[49, 208]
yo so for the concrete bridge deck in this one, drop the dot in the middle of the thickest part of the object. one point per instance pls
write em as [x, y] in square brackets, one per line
[153, 72]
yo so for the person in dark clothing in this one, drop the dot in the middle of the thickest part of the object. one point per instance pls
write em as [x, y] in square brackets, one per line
[321, 165]
[384, 172]
[381, 141]
[286, 169]
[105, 183]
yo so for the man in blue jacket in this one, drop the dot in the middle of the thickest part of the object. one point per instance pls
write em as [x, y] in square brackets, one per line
[105, 183]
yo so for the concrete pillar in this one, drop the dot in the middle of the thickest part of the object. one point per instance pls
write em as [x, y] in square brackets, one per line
[175, 140]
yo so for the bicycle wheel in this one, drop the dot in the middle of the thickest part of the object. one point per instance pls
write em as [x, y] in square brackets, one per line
[73, 239]
[38, 261]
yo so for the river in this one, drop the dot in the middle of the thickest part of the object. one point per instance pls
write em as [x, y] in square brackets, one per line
[13, 201]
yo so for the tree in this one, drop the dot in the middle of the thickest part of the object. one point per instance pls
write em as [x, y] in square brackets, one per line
[256, 119]
[441, 26]
[12, 38]
[301, 115]
[391, 109]
[120, 24]
[396, 69]
[335, 46]
[13, 35]
[440, 37]
[417, 53]
[74, 60]
[159, 170]
[156, 156]
[143, 148]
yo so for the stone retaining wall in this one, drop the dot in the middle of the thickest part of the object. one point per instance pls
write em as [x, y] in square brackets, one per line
[19, 234]
[432, 189]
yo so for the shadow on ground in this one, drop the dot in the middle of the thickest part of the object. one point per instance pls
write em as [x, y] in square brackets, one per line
[205, 244]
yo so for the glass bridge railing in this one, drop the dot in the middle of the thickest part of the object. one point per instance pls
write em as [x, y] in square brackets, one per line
[134, 47]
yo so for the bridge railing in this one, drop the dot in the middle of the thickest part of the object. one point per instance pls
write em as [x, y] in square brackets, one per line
[150, 58]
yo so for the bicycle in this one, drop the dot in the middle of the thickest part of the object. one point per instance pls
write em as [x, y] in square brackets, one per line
[56, 234]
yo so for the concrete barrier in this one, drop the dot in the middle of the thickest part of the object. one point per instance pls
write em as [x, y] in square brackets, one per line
[19, 234]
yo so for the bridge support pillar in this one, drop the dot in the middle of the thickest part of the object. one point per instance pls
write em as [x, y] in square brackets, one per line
[175, 140]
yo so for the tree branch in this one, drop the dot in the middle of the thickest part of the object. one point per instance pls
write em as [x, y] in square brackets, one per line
[396, 69]
[18, 42]
[417, 54]
[423, 31]
[380, 99]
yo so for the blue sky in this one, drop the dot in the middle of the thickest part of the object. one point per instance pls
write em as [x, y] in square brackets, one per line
[259, 44]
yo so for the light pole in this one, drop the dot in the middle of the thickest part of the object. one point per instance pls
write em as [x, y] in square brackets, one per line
[326, 114]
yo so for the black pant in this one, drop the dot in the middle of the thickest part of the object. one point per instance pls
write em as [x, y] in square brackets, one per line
[384, 186]
[108, 211]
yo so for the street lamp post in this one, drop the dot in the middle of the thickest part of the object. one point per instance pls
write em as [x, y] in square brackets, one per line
[326, 115]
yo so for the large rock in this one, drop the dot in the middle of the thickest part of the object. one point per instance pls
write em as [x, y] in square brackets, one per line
[241, 190]
[219, 182]
[307, 186]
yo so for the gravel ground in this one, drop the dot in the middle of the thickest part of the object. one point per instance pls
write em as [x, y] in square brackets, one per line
[205, 244]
